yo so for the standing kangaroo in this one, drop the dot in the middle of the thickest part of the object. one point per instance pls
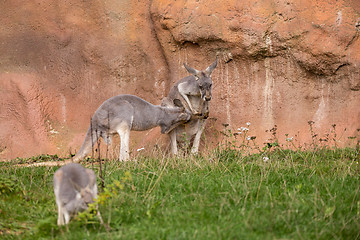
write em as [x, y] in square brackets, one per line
[194, 93]
[75, 187]
[123, 113]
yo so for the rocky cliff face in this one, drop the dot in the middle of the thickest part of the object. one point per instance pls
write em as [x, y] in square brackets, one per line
[281, 62]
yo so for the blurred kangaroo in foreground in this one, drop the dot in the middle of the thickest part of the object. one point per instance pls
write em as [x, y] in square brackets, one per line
[194, 93]
[123, 113]
[75, 187]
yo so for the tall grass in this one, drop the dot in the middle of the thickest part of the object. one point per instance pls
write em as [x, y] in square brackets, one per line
[239, 190]
[291, 195]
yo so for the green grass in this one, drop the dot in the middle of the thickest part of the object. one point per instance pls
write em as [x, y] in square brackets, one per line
[294, 195]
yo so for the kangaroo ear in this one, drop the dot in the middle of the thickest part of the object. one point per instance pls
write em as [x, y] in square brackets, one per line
[211, 68]
[92, 177]
[178, 103]
[58, 176]
[193, 71]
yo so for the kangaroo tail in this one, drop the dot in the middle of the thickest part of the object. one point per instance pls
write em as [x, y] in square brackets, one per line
[90, 139]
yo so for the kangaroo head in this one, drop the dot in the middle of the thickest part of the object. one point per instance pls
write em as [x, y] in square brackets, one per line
[87, 195]
[176, 116]
[84, 196]
[203, 79]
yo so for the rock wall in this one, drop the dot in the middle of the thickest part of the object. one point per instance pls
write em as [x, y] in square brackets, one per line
[281, 62]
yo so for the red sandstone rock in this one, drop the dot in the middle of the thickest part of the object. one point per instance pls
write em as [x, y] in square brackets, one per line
[282, 63]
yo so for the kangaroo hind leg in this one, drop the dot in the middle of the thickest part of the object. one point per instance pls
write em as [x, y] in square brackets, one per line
[173, 142]
[201, 125]
[124, 133]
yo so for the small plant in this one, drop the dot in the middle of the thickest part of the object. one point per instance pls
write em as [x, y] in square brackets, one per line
[39, 158]
[238, 140]
[8, 185]
[105, 198]
[184, 143]
[273, 142]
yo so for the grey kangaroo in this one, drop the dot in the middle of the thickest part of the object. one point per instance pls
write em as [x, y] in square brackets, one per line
[194, 93]
[123, 113]
[75, 187]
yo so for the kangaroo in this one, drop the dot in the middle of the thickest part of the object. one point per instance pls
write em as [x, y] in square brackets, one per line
[75, 187]
[194, 93]
[123, 113]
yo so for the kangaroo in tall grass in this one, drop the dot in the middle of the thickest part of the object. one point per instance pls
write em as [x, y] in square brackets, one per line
[194, 93]
[123, 113]
[74, 187]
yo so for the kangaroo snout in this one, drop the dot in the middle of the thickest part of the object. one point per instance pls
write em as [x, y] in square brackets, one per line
[206, 95]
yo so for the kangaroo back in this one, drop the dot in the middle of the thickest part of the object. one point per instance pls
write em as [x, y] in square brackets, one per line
[124, 113]
[74, 188]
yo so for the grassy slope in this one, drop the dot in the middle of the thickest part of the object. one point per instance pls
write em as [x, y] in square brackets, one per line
[294, 195]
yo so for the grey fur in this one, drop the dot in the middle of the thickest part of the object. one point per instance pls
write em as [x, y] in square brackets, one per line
[123, 113]
[74, 187]
[194, 93]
